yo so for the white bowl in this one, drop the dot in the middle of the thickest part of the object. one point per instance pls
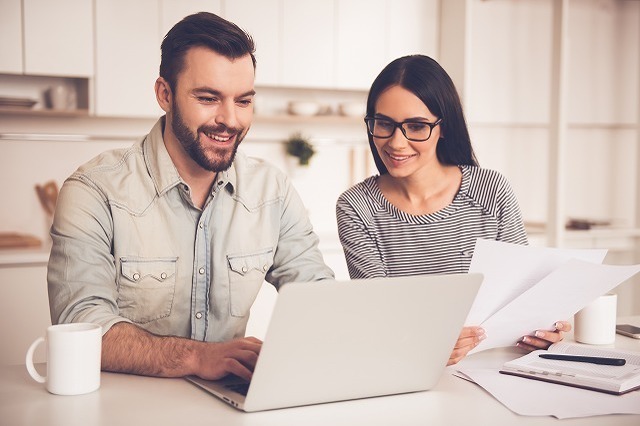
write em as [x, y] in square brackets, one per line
[304, 108]
[352, 109]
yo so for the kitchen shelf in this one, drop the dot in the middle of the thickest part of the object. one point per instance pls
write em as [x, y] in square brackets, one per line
[320, 119]
[45, 112]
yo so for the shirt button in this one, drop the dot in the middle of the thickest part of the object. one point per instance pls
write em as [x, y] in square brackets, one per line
[201, 225]
[163, 275]
[136, 276]
[220, 182]
[244, 269]
[201, 270]
[265, 267]
[199, 315]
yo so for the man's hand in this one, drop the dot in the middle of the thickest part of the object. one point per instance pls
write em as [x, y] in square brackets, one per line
[238, 356]
[542, 339]
[127, 348]
[469, 338]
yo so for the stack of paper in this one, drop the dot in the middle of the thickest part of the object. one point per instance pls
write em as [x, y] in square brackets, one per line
[530, 288]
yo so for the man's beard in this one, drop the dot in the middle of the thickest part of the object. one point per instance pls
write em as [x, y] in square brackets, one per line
[213, 159]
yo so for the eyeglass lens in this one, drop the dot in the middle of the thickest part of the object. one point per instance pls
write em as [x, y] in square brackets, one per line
[381, 128]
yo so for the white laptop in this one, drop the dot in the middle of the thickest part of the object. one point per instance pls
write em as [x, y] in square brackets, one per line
[332, 341]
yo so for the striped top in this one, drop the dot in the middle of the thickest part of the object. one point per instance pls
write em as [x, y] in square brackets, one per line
[380, 240]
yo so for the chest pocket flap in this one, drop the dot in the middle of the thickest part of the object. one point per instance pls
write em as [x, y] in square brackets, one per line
[246, 275]
[146, 288]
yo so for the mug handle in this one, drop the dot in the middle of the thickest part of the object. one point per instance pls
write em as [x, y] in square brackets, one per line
[29, 361]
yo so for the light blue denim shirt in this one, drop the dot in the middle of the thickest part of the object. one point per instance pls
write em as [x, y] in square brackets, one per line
[129, 245]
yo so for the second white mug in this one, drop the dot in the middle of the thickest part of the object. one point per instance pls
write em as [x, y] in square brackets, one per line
[73, 358]
[595, 324]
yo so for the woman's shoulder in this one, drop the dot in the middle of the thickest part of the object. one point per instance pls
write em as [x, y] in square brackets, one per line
[360, 191]
[482, 180]
[485, 186]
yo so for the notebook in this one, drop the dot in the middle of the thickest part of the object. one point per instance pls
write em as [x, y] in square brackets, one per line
[612, 379]
[341, 340]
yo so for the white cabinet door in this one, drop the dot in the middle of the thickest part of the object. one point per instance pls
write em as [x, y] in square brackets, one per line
[308, 40]
[172, 11]
[361, 42]
[262, 20]
[58, 37]
[128, 51]
[414, 26]
[371, 33]
[127, 58]
[11, 37]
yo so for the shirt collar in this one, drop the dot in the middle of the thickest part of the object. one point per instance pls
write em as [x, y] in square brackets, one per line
[162, 170]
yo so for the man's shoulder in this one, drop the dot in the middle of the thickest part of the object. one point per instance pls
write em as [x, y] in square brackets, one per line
[108, 163]
[248, 167]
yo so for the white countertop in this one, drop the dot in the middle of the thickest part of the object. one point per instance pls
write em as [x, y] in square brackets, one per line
[25, 256]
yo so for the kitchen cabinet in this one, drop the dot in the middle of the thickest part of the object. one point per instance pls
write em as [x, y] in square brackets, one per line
[366, 42]
[127, 57]
[308, 43]
[40, 37]
[11, 36]
[65, 48]
[262, 19]
[128, 52]
[340, 44]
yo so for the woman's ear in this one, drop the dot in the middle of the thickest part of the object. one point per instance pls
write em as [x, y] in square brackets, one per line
[163, 94]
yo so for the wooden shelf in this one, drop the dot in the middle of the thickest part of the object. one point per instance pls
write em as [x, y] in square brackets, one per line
[44, 112]
[320, 119]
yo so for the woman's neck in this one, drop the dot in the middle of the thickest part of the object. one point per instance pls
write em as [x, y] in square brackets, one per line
[422, 193]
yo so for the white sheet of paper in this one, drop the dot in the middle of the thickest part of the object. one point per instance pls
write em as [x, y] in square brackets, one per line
[535, 398]
[511, 269]
[559, 295]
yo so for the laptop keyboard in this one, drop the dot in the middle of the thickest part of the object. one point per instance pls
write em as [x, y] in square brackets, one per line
[241, 388]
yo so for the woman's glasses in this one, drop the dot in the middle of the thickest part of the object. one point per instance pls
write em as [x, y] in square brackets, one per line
[413, 130]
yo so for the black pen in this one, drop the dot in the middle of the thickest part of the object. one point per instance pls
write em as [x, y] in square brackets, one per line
[591, 359]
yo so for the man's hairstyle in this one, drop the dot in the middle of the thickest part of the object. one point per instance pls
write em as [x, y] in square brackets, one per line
[202, 29]
[426, 79]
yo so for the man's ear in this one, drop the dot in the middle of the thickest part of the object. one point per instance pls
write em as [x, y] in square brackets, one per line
[163, 94]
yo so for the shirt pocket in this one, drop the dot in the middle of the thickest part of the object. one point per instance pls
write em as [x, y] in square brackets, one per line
[147, 288]
[246, 275]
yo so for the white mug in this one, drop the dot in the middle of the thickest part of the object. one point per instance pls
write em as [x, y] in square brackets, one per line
[73, 358]
[60, 97]
[595, 324]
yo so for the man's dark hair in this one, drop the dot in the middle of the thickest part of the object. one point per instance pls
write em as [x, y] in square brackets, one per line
[207, 30]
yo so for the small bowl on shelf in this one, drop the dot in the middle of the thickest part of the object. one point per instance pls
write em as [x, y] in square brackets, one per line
[352, 109]
[304, 108]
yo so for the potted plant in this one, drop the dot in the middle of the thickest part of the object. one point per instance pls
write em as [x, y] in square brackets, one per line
[299, 146]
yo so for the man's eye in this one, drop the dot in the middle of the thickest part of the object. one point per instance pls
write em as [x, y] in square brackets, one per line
[206, 99]
[245, 102]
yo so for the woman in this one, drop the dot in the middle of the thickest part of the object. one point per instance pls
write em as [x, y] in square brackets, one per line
[431, 201]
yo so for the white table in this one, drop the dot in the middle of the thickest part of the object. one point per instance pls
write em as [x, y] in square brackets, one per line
[133, 400]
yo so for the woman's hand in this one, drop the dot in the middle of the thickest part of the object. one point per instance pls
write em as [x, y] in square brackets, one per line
[469, 338]
[542, 339]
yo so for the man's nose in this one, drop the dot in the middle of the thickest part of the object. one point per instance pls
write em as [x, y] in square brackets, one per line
[226, 115]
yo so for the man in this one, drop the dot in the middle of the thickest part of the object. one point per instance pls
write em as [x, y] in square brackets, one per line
[166, 244]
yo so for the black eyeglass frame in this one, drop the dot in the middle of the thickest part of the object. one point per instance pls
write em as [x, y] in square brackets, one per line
[400, 126]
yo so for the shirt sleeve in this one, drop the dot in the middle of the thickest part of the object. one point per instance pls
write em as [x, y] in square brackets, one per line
[360, 249]
[297, 257]
[510, 224]
[81, 273]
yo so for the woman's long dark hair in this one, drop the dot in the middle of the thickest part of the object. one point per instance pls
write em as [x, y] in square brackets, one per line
[426, 79]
